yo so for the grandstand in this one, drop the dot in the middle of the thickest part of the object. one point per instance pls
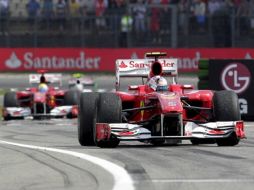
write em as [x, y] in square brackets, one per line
[164, 23]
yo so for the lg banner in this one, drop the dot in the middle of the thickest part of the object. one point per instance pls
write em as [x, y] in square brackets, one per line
[235, 75]
[79, 59]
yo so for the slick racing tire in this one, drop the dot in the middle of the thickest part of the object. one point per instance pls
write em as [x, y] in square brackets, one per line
[226, 108]
[202, 141]
[71, 97]
[109, 111]
[87, 118]
[10, 99]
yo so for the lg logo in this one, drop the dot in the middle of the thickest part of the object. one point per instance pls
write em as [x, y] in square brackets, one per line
[243, 106]
[236, 77]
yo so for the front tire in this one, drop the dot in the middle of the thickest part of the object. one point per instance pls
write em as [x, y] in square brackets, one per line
[87, 118]
[226, 108]
[10, 100]
[109, 111]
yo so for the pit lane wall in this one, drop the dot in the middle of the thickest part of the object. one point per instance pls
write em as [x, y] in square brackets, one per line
[103, 60]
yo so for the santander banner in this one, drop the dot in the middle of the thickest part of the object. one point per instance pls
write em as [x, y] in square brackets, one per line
[87, 60]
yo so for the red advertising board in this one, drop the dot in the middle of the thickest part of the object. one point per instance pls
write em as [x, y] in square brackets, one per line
[86, 59]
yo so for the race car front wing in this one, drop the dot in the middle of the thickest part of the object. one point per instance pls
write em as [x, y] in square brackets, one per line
[210, 130]
[24, 112]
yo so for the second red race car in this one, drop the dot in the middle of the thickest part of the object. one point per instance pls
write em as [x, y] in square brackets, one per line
[157, 112]
[45, 99]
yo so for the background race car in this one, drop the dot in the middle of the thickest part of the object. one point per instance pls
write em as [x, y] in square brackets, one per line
[81, 82]
[44, 99]
[84, 83]
[158, 115]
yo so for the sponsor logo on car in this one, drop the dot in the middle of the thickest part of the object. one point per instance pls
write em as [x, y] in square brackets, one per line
[123, 65]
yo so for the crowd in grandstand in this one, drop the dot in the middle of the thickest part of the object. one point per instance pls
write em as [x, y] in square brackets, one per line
[132, 14]
[75, 8]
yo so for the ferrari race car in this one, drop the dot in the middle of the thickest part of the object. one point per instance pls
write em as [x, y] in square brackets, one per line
[52, 102]
[157, 117]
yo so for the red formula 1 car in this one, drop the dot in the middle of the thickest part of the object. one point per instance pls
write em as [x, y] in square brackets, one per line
[166, 116]
[32, 102]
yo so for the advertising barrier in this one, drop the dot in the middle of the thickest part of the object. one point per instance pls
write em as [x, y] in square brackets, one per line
[95, 59]
[236, 75]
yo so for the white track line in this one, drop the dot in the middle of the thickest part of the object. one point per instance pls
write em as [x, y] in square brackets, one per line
[202, 180]
[122, 179]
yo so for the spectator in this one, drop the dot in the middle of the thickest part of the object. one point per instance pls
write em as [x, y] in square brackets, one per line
[4, 13]
[213, 6]
[48, 9]
[87, 7]
[199, 11]
[126, 28]
[252, 14]
[221, 25]
[61, 14]
[100, 8]
[75, 14]
[243, 13]
[47, 13]
[183, 7]
[33, 8]
[139, 11]
[74, 8]
[155, 21]
[165, 22]
[116, 9]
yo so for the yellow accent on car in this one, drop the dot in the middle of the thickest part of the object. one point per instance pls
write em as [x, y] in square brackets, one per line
[77, 75]
[142, 104]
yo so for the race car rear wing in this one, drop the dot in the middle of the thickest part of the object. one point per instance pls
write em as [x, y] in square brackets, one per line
[142, 68]
[52, 78]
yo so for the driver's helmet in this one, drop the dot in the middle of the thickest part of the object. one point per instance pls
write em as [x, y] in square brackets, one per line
[162, 84]
[158, 83]
[43, 88]
[78, 86]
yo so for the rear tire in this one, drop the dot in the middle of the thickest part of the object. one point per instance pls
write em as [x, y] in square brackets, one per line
[71, 97]
[109, 111]
[87, 118]
[226, 108]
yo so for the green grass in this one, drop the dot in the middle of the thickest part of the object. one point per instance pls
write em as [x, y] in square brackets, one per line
[2, 91]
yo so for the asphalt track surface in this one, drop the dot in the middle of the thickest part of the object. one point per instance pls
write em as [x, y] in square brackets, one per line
[46, 155]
